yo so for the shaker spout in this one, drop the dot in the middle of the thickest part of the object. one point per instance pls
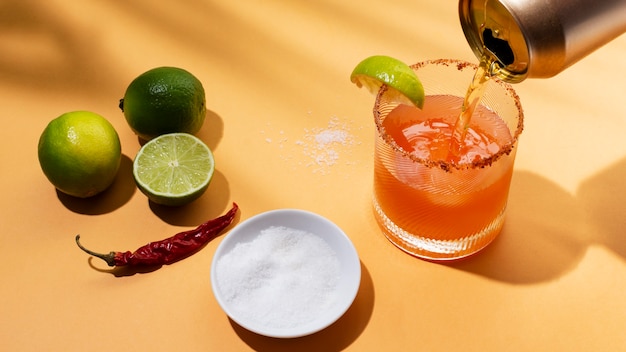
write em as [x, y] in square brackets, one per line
[500, 48]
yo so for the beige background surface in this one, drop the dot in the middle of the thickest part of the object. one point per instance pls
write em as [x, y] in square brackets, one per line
[276, 73]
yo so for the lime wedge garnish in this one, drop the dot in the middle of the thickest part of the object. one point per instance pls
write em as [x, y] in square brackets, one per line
[375, 71]
[173, 169]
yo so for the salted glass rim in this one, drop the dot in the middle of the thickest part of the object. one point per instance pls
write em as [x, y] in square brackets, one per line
[444, 165]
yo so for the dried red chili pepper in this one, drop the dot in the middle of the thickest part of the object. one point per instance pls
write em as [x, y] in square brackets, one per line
[170, 249]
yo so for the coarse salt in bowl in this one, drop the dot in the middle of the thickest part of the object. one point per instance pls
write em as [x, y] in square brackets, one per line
[285, 273]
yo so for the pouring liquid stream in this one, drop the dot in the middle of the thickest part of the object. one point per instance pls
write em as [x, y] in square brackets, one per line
[487, 68]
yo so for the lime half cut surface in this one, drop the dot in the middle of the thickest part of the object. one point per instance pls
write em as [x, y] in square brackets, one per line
[173, 169]
[402, 81]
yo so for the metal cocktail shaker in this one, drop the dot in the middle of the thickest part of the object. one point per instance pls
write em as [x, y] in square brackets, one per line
[540, 38]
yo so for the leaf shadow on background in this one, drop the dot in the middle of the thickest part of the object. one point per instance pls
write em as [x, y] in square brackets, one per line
[230, 37]
[42, 50]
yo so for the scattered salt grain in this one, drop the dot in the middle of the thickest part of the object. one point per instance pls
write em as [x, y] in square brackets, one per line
[322, 146]
[324, 137]
[323, 143]
[283, 278]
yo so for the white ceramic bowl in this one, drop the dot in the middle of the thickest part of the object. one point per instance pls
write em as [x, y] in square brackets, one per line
[349, 268]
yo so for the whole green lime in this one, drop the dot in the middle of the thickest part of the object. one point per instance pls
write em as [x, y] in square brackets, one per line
[80, 153]
[164, 100]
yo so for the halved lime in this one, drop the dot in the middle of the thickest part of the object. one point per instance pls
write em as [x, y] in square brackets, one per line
[173, 169]
[377, 70]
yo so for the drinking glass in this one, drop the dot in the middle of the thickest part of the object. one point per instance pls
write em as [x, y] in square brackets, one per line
[438, 209]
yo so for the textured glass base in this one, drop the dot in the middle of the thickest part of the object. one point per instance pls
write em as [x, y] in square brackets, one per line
[432, 249]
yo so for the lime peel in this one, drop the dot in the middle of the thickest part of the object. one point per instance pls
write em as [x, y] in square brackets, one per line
[164, 100]
[378, 70]
[80, 153]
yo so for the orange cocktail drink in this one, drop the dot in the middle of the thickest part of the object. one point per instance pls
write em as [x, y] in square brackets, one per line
[431, 200]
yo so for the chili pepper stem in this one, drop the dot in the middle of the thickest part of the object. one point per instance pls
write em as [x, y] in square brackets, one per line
[108, 258]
